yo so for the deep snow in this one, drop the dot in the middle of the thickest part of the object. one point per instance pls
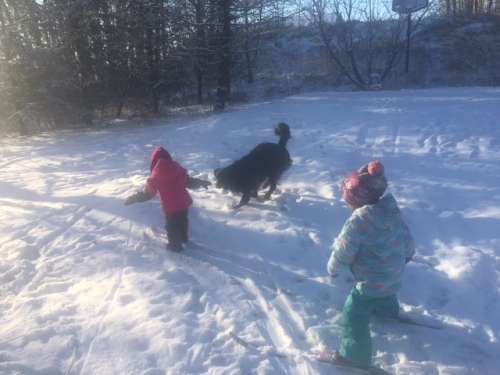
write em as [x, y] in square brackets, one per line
[88, 288]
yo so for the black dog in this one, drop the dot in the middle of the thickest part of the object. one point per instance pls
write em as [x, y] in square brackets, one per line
[263, 166]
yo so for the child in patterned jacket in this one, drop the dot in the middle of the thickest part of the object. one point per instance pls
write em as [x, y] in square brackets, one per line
[375, 243]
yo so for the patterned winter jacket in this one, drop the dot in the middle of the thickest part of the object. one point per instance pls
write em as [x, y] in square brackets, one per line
[375, 243]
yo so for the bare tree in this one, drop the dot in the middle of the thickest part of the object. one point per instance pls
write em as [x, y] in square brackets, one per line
[362, 38]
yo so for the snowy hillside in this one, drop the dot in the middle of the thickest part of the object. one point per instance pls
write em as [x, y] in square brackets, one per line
[86, 286]
[457, 51]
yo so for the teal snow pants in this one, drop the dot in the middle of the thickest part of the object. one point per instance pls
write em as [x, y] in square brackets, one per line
[356, 343]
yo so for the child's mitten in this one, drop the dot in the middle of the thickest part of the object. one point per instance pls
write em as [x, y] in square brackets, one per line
[140, 196]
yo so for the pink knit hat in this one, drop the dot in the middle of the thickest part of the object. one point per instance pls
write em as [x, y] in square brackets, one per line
[365, 186]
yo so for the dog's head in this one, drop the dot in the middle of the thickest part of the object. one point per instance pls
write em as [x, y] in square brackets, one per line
[227, 178]
[283, 130]
[221, 178]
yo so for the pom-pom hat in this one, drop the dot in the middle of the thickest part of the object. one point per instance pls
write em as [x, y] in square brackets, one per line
[364, 186]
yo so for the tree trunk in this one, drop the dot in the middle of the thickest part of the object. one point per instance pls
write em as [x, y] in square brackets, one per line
[199, 86]
[490, 7]
[200, 47]
[4, 53]
[248, 59]
[34, 29]
[152, 61]
[223, 52]
[2, 19]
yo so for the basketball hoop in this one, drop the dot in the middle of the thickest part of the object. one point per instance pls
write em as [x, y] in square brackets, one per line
[408, 6]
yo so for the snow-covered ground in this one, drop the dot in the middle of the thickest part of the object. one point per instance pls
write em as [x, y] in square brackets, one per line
[86, 286]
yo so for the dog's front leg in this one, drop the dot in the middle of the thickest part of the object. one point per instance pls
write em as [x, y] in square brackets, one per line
[244, 200]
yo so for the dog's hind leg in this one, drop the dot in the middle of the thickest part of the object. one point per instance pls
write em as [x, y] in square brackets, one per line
[272, 187]
[265, 185]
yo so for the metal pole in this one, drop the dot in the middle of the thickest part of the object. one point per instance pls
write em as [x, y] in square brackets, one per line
[408, 36]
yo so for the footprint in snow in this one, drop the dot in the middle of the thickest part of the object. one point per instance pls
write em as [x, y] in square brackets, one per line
[439, 298]
[153, 371]
[126, 299]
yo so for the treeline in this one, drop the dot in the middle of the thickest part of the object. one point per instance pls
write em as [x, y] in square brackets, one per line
[63, 61]
[469, 7]
[76, 62]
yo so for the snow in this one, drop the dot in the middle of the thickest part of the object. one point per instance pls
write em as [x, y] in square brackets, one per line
[86, 286]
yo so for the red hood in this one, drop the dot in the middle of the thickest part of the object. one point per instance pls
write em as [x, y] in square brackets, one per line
[159, 153]
[170, 180]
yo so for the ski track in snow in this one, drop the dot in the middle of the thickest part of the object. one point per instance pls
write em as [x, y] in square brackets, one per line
[86, 287]
[109, 301]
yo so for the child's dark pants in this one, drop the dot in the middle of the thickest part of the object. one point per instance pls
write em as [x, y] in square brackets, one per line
[177, 228]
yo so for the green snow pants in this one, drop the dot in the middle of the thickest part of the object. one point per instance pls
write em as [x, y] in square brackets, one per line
[356, 343]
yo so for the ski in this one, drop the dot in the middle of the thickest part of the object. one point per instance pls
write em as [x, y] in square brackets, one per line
[159, 235]
[155, 234]
[412, 321]
[328, 357]
[323, 357]
[256, 348]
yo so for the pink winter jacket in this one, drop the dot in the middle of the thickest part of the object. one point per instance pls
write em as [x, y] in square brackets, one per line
[170, 180]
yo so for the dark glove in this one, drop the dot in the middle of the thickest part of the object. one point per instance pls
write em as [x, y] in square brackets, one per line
[195, 183]
[205, 184]
[140, 196]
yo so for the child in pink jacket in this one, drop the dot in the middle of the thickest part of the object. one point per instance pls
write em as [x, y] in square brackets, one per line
[171, 181]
